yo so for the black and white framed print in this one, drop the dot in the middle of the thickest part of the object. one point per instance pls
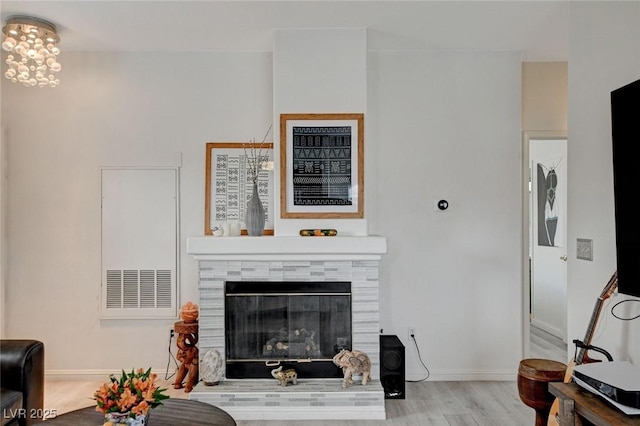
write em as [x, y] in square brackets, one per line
[228, 187]
[322, 165]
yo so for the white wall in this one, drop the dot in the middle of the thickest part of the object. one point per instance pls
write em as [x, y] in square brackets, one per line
[110, 110]
[447, 125]
[319, 70]
[544, 96]
[440, 124]
[604, 55]
[3, 225]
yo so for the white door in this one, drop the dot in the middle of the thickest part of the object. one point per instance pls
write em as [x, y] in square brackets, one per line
[548, 234]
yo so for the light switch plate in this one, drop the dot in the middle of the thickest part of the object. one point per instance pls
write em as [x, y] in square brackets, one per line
[584, 249]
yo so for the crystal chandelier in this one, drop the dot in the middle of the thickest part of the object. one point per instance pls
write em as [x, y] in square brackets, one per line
[32, 58]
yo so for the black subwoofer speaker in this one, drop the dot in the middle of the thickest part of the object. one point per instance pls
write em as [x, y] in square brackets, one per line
[392, 374]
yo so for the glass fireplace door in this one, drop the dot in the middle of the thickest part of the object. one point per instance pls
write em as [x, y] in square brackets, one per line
[299, 325]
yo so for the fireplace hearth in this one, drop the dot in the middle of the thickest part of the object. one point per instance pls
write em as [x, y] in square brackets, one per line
[316, 266]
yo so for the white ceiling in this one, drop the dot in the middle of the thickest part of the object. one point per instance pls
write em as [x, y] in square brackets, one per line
[538, 28]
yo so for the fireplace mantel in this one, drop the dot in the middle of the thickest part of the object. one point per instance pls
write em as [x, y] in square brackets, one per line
[288, 248]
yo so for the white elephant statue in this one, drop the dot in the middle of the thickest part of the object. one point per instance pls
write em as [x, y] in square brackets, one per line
[352, 363]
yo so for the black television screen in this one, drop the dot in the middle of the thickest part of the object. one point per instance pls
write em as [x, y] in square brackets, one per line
[625, 129]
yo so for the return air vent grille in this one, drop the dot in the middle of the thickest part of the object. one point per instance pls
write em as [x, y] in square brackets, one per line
[139, 275]
[135, 289]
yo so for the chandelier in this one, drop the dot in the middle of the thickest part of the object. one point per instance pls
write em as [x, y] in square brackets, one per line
[32, 58]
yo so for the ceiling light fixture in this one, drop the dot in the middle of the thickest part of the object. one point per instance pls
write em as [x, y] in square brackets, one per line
[32, 58]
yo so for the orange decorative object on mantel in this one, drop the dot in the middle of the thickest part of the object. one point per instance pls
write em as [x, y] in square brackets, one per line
[318, 232]
[189, 312]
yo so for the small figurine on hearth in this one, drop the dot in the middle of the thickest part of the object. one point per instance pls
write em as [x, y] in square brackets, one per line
[353, 363]
[211, 367]
[286, 376]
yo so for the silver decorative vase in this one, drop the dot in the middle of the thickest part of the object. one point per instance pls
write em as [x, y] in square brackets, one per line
[254, 215]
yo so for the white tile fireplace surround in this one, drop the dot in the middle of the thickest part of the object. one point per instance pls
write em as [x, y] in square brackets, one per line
[314, 259]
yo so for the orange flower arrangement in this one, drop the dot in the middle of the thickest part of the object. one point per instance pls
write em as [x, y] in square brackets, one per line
[135, 393]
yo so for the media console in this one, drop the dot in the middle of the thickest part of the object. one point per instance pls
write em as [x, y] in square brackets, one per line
[578, 404]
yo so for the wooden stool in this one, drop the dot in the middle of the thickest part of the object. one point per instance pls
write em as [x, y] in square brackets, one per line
[534, 376]
[187, 354]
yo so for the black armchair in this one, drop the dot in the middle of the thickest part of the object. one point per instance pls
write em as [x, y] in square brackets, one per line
[21, 381]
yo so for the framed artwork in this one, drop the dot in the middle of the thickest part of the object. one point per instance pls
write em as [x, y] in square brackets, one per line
[228, 187]
[549, 201]
[321, 166]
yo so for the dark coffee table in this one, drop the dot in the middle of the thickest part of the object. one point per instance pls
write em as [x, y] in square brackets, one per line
[174, 412]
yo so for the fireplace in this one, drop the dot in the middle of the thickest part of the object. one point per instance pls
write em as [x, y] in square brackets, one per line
[294, 324]
[346, 268]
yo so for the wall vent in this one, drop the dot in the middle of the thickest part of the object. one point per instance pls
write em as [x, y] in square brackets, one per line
[134, 289]
[139, 243]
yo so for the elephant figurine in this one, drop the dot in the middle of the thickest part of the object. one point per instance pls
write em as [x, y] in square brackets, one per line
[353, 362]
[286, 376]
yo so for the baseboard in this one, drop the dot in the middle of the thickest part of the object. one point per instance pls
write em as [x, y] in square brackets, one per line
[98, 375]
[466, 376]
[554, 331]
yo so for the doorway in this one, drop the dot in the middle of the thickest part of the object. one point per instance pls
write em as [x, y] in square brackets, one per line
[546, 193]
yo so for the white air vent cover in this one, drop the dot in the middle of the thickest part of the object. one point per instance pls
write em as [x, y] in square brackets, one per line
[133, 289]
[139, 242]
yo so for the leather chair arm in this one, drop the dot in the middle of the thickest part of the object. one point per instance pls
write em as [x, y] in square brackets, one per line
[22, 369]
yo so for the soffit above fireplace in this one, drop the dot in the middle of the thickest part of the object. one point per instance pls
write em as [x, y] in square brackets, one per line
[288, 248]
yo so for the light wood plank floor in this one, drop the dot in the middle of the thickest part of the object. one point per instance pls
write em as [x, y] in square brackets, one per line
[547, 346]
[427, 403]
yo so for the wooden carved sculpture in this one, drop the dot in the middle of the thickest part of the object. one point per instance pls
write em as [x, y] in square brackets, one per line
[187, 355]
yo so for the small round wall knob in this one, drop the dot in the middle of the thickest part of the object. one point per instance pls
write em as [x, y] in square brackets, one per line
[443, 204]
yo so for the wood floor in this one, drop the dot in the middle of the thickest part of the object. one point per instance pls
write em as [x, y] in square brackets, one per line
[427, 403]
[444, 404]
[547, 346]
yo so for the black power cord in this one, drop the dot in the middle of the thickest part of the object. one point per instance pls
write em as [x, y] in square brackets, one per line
[166, 374]
[415, 343]
[621, 318]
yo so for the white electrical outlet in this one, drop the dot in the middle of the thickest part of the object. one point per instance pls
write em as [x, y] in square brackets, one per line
[412, 332]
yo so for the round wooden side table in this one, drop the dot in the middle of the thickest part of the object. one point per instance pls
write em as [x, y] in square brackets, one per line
[534, 376]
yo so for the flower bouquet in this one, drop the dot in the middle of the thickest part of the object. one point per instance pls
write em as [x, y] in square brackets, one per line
[128, 400]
